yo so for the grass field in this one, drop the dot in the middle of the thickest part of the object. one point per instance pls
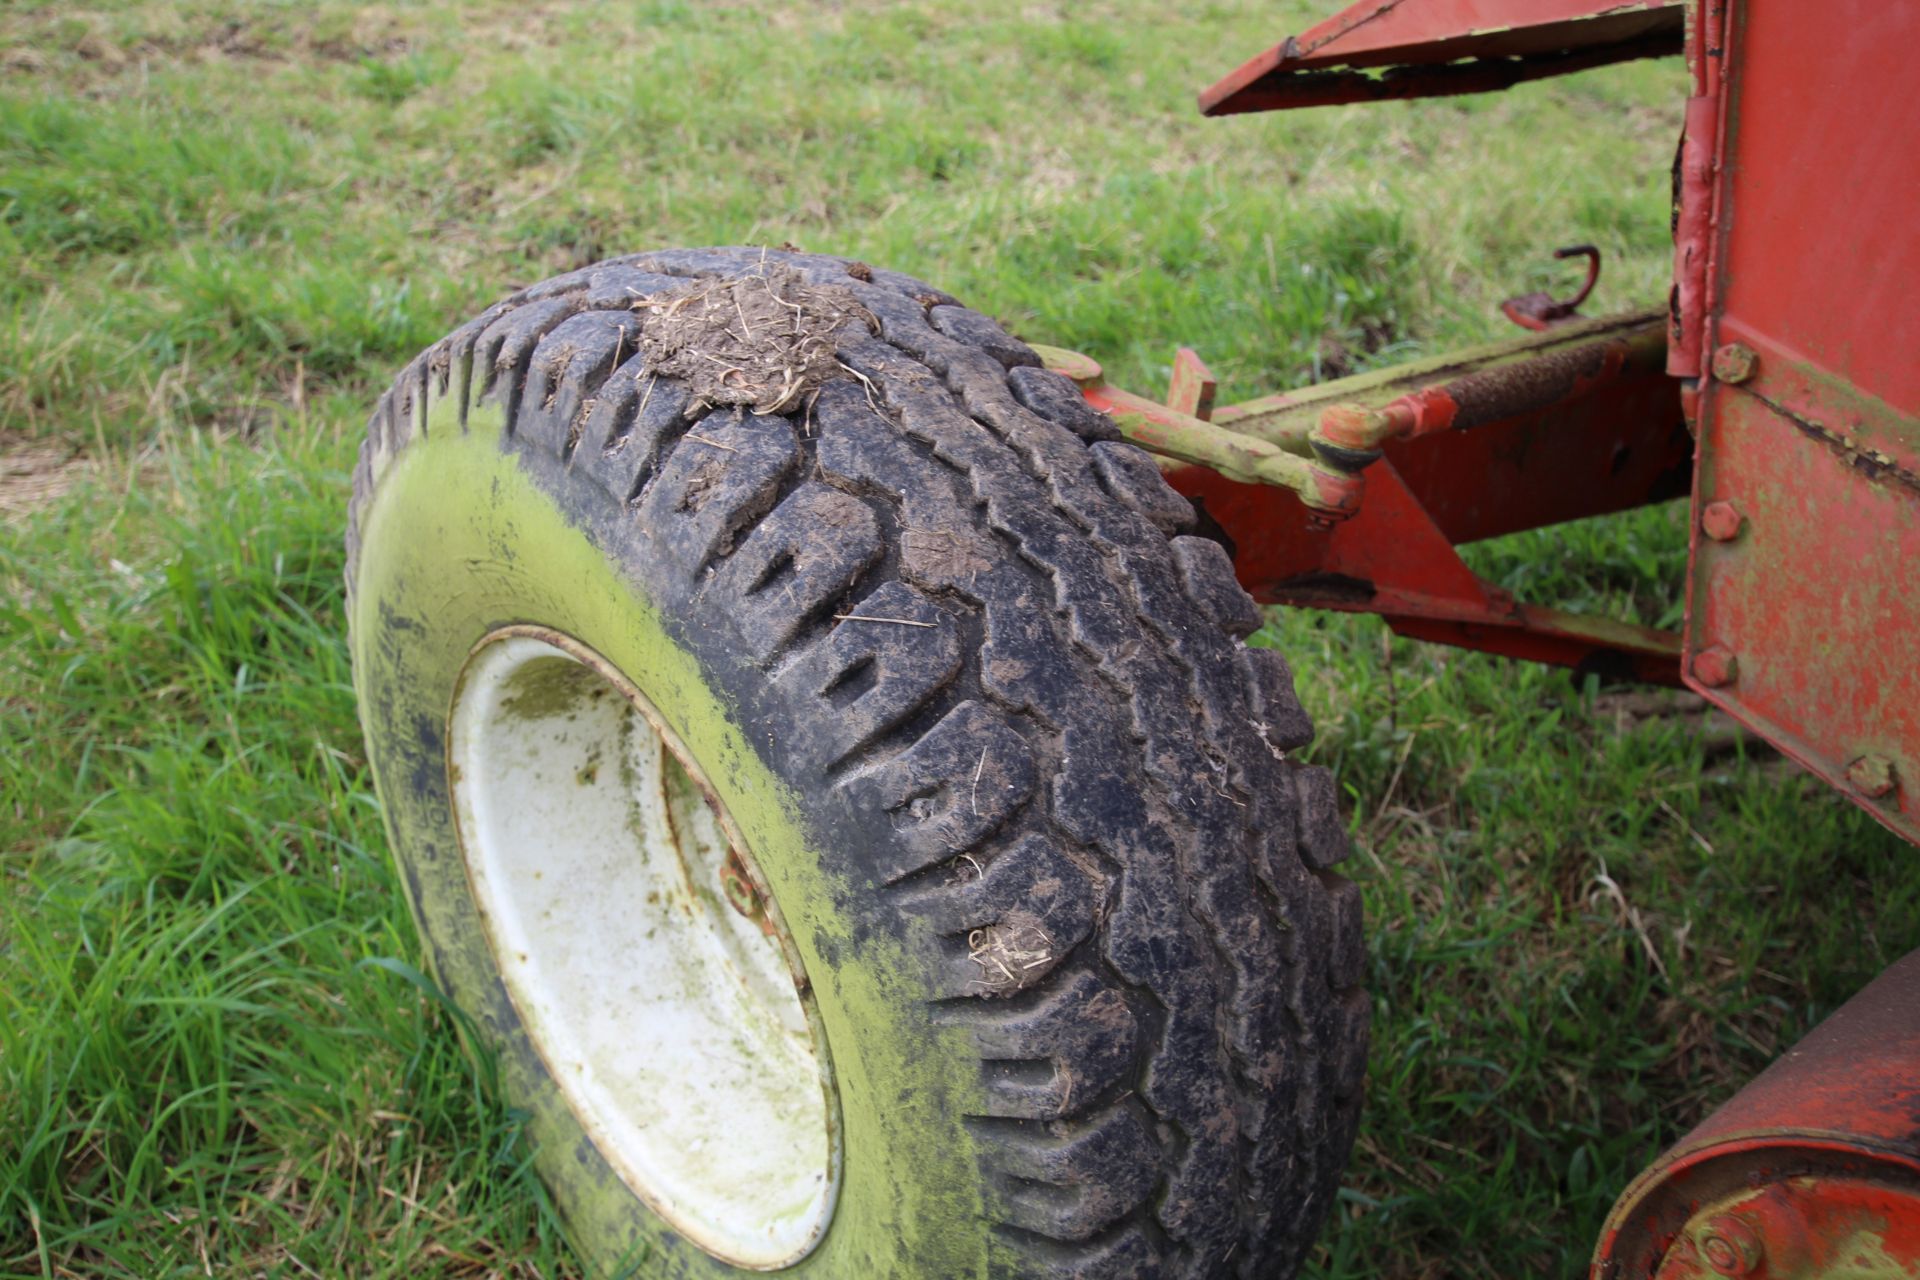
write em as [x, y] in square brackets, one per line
[223, 225]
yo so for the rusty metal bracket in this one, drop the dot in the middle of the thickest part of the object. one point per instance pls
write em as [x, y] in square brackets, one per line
[1192, 388]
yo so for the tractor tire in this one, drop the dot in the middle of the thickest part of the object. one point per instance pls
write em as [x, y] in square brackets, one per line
[838, 794]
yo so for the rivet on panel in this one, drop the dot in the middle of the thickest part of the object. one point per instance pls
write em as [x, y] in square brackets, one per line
[1734, 363]
[1715, 666]
[1721, 521]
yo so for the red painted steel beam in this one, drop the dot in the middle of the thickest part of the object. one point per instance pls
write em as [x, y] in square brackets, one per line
[1611, 451]
[1382, 49]
[1391, 558]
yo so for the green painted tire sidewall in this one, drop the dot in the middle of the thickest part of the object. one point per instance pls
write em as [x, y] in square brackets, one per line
[459, 539]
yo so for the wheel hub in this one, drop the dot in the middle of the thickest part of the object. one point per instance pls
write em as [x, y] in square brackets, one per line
[641, 949]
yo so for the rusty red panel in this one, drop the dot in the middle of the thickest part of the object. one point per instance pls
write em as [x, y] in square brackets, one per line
[1822, 178]
[1434, 47]
[1813, 596]
[1806, 555]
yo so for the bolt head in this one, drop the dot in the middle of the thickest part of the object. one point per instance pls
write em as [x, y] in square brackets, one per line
[1734, 363]
[1721, 521]
[741, 895]
[1872, 776]
[1728, 1245]
[1715, 666]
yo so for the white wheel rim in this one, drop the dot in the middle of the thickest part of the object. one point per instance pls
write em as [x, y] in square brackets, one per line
[679, 1028]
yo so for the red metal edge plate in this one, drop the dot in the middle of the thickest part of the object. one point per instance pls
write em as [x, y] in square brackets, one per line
[1803, 587]
[1436, 47]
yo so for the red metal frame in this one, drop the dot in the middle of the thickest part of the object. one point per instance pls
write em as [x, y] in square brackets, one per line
[1780, 384]
[1393, 559]
[1386, 473]
[1786, 376]
[1383, 49]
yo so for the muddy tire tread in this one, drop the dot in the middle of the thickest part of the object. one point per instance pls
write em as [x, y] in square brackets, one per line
[1174, 1089]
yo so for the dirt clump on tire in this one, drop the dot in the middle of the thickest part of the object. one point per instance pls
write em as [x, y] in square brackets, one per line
[765, 340]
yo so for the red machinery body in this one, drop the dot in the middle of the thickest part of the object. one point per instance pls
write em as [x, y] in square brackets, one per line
[1809, 421]
[1387, 49]
[1778, 384]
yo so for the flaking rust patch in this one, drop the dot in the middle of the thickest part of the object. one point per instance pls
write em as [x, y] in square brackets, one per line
[765, 341]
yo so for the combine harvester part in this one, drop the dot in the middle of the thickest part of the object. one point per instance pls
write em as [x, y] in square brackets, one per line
[1811, 1172]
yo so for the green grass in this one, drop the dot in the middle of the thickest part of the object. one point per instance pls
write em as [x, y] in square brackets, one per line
[226, 224]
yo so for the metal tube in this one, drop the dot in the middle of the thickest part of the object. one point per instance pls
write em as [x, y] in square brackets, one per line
[1288, 420]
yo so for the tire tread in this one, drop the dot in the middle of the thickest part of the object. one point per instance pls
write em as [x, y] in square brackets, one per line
[1174, 1089]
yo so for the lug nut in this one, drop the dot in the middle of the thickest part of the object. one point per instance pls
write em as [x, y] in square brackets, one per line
[1715, 666]
[1721, 521]
[1734, 364]
[1729, 1246]
[740, 892]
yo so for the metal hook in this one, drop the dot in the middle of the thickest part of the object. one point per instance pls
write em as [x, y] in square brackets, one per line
[1539, 310]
